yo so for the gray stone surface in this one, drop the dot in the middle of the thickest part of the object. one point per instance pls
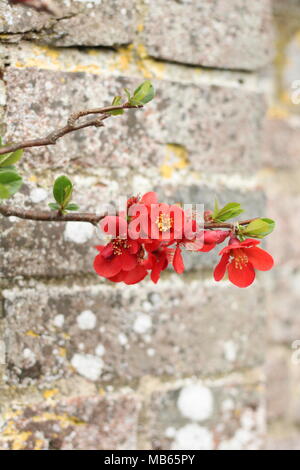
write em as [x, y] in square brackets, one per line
[219, 127]
[106, 23]
[105, 333]
[222, 34]
[78, 423]
[223, 415]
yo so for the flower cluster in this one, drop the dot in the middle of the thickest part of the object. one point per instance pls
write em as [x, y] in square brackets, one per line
[149, 236]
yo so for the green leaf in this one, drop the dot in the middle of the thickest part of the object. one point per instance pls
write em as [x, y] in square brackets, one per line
[259, 228]
[10, 158]
[54, 206]
[10, 183]
[117, 101]
[144, 93]
[231, 210]
[62, 191]
[127, 93]
[72, 207]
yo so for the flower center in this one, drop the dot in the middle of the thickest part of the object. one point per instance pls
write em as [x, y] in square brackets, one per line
[164, 222]
[240, 259]
[119, 245]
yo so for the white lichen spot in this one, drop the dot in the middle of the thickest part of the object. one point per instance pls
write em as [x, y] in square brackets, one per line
[151, 352]
[193, 437]
[122, 338]
[227, 405]
[88, 366]
[100, 350]
[230, 351]
[142, 323]
[170, 432]
[59, 320]
[195, 402]
[38, 195]
[78, 232]
[86, 320]
[29, 356]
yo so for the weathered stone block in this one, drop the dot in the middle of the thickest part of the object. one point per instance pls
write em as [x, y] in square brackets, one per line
[218, 34]
[218, 128]
[105, 333]
[224, 415]
[79, 423]
[94, 23]
[281, 143]
[278, 383]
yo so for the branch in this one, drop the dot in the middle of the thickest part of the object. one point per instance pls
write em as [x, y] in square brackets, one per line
[52, 216]
[71, 126]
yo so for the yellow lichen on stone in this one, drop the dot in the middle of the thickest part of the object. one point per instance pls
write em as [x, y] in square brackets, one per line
[140, 28]
[125, 58]
[91, 68]
[277, 112]
[20, 440]
[64, 420]
[176, 159]
[32, 333]
[39, 444]
[50, 393]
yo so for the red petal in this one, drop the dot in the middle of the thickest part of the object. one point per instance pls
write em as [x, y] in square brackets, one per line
[129, 262]
[206, 247]
[220, 269]
[149, 198]
[136, 275]
[260, 259]
[107, 268]
[250, 242]
[178, 261]
[241, 277]
[118, 277]
[100, 248]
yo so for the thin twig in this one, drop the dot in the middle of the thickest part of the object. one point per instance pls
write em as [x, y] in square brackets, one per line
[71, 126]
[49, 216]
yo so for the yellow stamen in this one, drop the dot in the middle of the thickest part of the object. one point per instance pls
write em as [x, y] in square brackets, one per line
[164, 223]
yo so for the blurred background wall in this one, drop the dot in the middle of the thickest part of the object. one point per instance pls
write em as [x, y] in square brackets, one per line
[186, 364]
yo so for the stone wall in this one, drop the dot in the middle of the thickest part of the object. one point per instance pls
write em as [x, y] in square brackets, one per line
[181, 364]
[282, 177]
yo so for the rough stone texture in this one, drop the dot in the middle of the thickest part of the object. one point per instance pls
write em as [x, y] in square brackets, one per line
[77, 23]
[139, 330]
[220, 34]
[281, 181]
[281, 143]
[224, 415]
[188, 351]
[89, 422]
[216, 131]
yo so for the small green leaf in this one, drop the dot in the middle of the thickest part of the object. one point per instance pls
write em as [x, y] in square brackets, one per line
[127, 93]
[54, 206]
[9, 159]
[62, 191]
[4, 193]
[117, 101]
[259, 228]
[231, 210]
[144, 93]
[10, 183]
[72, 207]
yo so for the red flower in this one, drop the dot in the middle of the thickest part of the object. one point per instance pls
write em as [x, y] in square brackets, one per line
[158, 261]
[118, 255]
[241, 259]
[213, 238]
